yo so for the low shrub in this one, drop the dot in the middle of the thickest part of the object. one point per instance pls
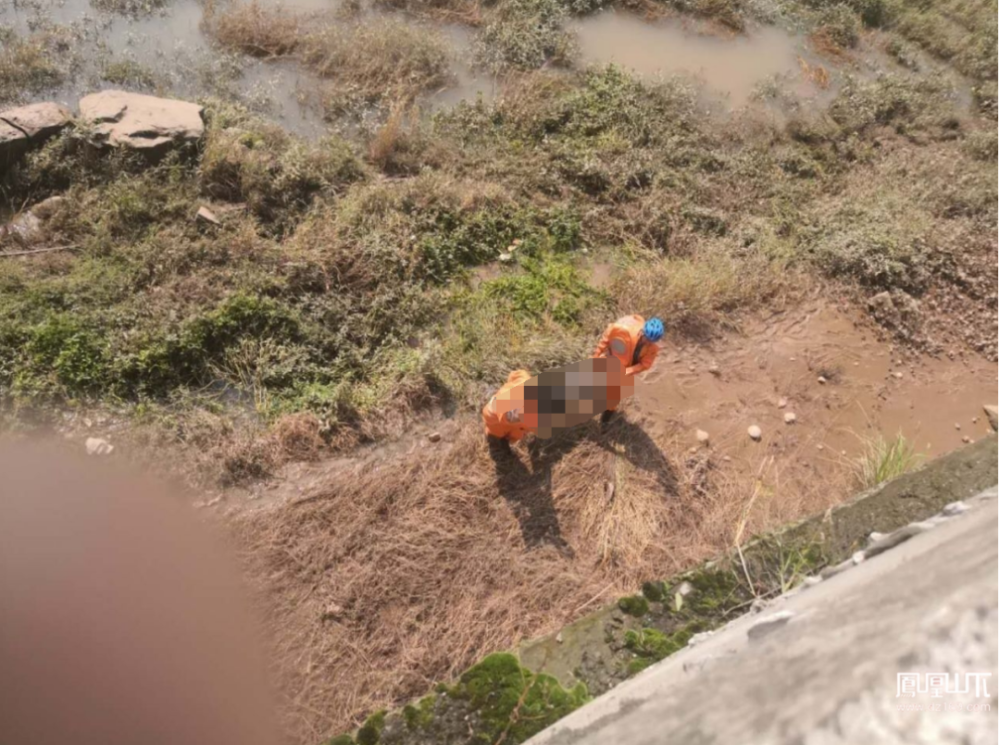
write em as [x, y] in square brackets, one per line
[523, 35]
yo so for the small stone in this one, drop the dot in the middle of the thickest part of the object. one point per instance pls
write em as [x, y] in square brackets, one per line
[991, 412]
[98, 446]
[897, 375]
[685, 589]
[790, 417]
[821, 380]
[206, 215]
[45, 209]
[821, 447]
[958, 426]
[726, 459]
[755, 433]
[702, 436]
[26, 227]
[434, 437]
[782, 403]
[770, 624]
[812, 580]
[955, 508]
[698, 638]
[833, 571]
[967, 440]
[714, 370]
[857, 557]
[559, 638]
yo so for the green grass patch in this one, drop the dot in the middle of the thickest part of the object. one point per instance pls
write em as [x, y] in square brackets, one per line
[883, 459]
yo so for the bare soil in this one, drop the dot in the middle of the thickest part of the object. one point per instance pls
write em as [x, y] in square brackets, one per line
[386, 571]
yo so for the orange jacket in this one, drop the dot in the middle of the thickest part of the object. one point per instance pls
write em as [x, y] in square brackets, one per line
[622, 338]
[503, 416]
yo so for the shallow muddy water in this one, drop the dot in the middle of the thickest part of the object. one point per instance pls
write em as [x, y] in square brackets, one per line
[729, 66]
[170, 43]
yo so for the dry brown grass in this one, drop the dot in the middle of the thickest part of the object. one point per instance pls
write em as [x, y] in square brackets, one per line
[385, 579]
[254, 29]
[469, 12]
[385, 60]
[298, 436]
[704, 294]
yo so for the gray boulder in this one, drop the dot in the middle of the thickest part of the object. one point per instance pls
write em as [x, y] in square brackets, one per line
[144, 123]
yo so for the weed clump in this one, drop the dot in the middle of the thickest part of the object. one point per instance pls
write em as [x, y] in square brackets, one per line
[907, 105]
[384, 61]
[254, 29]
[839, 28]
[129, 7]
[884, 459]
[729, 13]
[128, 72]
[245, 160]
[28, 65]
[880, 244]
[524, 35]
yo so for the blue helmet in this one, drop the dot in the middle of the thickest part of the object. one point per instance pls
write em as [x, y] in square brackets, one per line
[653, 330]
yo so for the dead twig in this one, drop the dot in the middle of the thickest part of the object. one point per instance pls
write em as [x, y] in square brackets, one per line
[33, 251]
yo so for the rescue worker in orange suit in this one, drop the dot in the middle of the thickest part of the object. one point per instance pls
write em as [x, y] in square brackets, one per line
[503, 416]
[634, 342]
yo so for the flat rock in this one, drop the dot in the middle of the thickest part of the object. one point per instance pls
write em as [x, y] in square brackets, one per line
[98, 446]
[45, 209]
[29, 126]
[790, 418]
[145, 123]
[38, 121]
[13, 142]
[206, 215]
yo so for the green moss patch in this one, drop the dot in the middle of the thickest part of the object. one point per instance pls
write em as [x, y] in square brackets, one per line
[513, 702]
[634, 605]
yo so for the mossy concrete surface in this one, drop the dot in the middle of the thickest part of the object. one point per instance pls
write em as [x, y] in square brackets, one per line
[601, 649]
[507, 698]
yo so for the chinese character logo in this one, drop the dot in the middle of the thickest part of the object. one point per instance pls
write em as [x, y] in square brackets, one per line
[939, 684]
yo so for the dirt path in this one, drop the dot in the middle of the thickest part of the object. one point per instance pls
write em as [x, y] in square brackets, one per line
[870, 386]
[740, 380]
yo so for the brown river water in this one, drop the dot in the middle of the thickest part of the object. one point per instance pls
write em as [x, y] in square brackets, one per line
[171, 42]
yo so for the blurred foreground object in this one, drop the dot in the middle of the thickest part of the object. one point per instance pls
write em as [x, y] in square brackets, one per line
[120, 623]
[556, 399]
